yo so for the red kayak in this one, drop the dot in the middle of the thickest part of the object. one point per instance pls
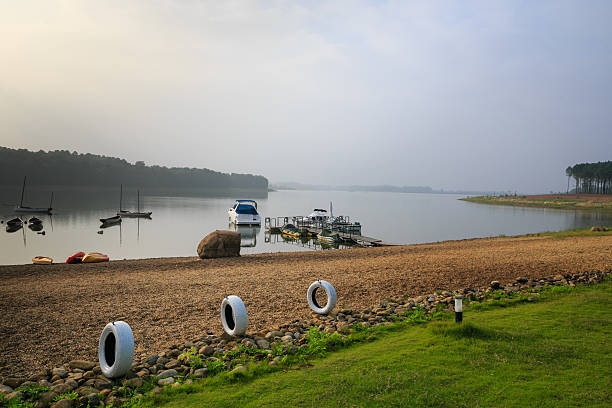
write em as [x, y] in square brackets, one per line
[76, 258]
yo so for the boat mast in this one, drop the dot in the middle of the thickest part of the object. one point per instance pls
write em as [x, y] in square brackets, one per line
[22, 191]
[51, 201]
[138, 202]
[120, 197]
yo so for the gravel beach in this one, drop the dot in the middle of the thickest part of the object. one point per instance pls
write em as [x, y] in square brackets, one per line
[55, 313]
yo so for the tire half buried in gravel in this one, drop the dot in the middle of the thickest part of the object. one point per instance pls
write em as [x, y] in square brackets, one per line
[116, 349]
[234, 316]
[319, 290]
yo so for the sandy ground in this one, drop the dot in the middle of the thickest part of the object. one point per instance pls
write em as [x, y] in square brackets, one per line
[52, 314]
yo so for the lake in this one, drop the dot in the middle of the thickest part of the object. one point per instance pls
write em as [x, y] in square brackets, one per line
[179, 223]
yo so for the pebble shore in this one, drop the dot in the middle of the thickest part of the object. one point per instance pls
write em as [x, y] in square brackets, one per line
[55, 313]
[166, 368]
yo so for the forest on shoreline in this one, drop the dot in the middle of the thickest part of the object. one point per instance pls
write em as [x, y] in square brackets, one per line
[591, 178]
[61, 167]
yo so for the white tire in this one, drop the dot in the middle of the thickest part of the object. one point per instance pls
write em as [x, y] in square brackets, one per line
[116, 349]
[331, 297]
[234, 316]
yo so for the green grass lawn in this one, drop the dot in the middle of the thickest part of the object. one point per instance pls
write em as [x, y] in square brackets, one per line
[556, 352]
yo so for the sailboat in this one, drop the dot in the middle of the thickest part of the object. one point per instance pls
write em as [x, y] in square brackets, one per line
[24, 209]
[132, 214]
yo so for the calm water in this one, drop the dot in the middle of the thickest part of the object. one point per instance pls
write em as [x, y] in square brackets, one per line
[179, 223]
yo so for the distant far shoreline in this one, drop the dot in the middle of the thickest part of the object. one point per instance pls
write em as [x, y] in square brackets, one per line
[291, 186]
[597, 202]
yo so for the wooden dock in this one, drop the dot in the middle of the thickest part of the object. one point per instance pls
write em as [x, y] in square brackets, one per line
[274, 226]
[358, 238]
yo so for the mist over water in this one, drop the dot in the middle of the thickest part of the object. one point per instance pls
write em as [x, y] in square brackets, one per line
[179, 223]
[460, 95]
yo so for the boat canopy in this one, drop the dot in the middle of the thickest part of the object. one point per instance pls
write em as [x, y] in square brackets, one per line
[246, 209]
[248, 201]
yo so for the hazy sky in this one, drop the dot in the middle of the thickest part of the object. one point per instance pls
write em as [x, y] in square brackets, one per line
[453, 94]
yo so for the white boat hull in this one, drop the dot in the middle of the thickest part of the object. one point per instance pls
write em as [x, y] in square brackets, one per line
[244, 219]
[19, 209]
[244, 212]
[134, 214]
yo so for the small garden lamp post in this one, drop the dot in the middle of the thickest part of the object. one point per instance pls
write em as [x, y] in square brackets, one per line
[458, 309]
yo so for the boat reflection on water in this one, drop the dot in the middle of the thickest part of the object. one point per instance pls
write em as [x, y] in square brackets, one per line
[248, 234]
[14, 225]
[305, 242]
[35, 226]
[111, 221]
[13, 228]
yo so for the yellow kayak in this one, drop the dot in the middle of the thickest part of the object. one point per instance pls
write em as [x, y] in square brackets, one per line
[42, 260]
[92, 257]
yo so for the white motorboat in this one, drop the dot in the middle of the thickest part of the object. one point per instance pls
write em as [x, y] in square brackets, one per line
[321, 218]
[244, 212]
[318, 215]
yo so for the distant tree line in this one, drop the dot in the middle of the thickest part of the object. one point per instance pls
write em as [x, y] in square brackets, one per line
[591, 178]
[61, 167]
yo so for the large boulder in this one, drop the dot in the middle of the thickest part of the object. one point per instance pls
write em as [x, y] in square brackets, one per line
[220, 244]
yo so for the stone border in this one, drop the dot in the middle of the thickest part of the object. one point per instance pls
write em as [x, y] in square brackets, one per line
[84, 381]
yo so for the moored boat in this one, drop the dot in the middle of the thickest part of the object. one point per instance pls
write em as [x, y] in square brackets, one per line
[25, 209]
[321, 218]
[318, 215]
[132, 214]
[37, 210]
[244, 212]
[291, 230]
[14, 222]
[35, 226]
[107, 222]
[14, 225]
